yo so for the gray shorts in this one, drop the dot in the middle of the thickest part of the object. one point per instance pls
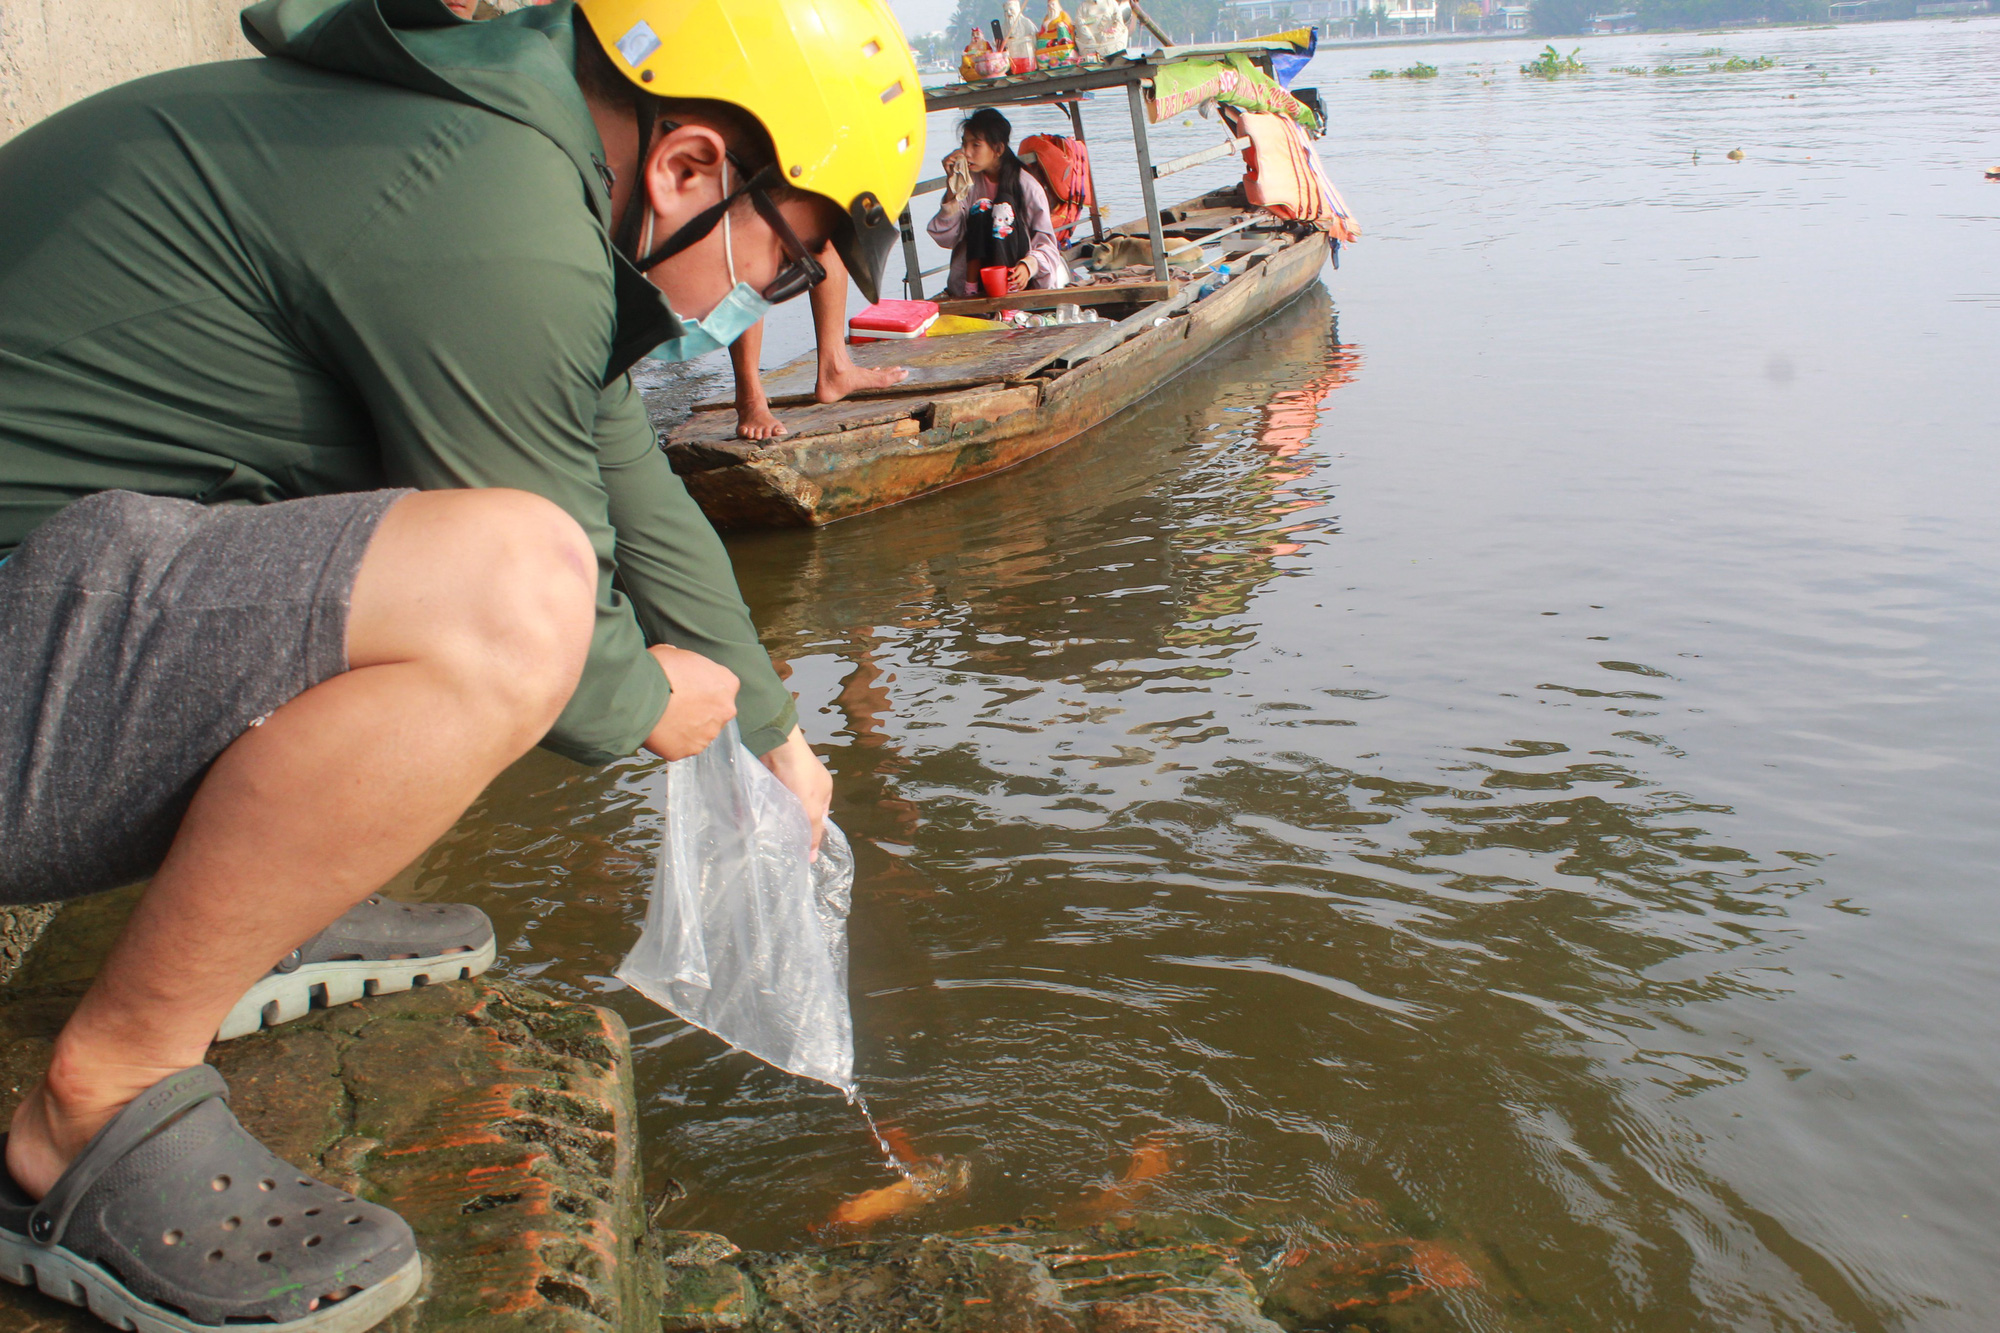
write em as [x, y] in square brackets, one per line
[139, 637]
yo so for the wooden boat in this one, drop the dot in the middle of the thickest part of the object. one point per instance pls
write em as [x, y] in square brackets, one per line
[977, 403]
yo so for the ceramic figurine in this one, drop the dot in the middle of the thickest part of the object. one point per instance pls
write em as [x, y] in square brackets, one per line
[1020, 30]
[1100, 31]
[1055, 44]
[1114, 35]
[968, 61]
[1089, 14]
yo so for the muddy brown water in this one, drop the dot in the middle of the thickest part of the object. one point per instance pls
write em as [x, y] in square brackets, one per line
[1511, 738]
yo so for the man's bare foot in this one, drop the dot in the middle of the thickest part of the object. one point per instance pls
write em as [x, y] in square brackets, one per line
[58, 1118]
[754, 421]
[838, 378]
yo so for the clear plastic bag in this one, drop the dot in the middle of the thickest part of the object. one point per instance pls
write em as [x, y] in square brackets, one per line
[743, 937]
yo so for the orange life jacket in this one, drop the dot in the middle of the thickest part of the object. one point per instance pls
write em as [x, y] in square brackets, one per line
[1062, 165]
[1284, 176]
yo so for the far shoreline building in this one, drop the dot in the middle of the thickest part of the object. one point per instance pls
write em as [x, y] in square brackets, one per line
[1335, 19]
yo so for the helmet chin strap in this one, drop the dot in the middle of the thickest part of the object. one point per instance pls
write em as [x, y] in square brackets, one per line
[728, 240]
[643, 119]
[634, 237]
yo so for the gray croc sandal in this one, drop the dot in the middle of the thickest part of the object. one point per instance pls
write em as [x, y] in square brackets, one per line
[174, 1219]
[378, 947]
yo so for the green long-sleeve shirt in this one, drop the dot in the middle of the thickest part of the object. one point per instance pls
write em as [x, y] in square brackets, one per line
[378, 257]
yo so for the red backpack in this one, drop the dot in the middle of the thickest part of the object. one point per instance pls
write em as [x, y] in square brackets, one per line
[1062, 165]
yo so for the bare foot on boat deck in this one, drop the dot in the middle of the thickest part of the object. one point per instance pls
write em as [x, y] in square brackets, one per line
[838, 378]
[754, 421]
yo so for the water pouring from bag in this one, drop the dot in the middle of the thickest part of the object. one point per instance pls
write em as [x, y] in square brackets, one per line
[746, 934]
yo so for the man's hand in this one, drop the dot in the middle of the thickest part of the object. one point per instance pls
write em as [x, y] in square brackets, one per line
[703, 702]
[800, 769]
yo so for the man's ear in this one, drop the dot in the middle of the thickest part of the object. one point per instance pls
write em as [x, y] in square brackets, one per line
[679, 171]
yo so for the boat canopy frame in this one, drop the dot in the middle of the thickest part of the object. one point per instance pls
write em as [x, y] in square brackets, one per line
[1069, 87]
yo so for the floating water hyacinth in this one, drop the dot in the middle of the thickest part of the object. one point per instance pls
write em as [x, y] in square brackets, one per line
[1552, 63]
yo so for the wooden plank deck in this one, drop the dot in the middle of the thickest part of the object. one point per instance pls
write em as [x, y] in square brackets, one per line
[957, 362]
[802, 419]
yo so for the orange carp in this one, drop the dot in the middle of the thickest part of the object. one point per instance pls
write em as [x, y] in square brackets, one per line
[1152, 1158]
[925, 1180]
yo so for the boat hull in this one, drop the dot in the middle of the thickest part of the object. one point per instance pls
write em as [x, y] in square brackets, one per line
[975, 433]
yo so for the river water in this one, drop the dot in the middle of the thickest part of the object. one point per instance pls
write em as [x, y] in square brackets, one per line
[1511, 738]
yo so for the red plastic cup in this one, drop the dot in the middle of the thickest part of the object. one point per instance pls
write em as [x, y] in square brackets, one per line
[994, 280]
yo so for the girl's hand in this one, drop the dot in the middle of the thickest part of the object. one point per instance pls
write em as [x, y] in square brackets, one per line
[1019, 276]
[958, 175]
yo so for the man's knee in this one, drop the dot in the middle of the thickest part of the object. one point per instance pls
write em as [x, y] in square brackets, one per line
[497, 585]
[534, 576]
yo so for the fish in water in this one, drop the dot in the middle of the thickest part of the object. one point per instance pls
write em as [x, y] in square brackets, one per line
[931, 1179]
[925, 1180]
[1152, 1158]
[896, 1143]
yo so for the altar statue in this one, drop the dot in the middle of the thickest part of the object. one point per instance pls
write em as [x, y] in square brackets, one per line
[1055, 44]
[1100, 30]
[1020, 34]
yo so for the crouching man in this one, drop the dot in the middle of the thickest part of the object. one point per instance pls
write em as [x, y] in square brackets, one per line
[324, 496]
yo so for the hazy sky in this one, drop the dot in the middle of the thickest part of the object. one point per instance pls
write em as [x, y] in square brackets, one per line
[922, 15]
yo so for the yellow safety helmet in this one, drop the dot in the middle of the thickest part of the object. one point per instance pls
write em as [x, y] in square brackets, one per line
[831, 81]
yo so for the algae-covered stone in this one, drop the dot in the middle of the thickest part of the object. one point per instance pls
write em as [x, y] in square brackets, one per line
[932, 1283]
[1191, 1287]
[1403, 1286]
[697, 1298]
[20, 927]
[1011, 1280]
[693, 1249]
[1188, 1310]
[498, 1121]
[1143, 1275]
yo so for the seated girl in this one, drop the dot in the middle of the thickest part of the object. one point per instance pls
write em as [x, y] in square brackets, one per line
[995, 214]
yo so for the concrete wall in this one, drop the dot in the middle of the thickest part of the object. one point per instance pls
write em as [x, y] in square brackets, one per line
[53, 52]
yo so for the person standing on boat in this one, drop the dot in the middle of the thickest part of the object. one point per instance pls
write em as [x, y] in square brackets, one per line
[325, 495]
[995, 214]
[838, 375]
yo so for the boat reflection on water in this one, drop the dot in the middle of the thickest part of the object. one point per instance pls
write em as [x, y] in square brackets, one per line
[1171, 480]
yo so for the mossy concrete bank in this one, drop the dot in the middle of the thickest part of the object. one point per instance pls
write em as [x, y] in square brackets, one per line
[20, 927]
[498, 1121]
[1144, 1274]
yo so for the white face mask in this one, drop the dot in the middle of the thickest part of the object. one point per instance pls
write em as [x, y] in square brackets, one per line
[734, 314]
